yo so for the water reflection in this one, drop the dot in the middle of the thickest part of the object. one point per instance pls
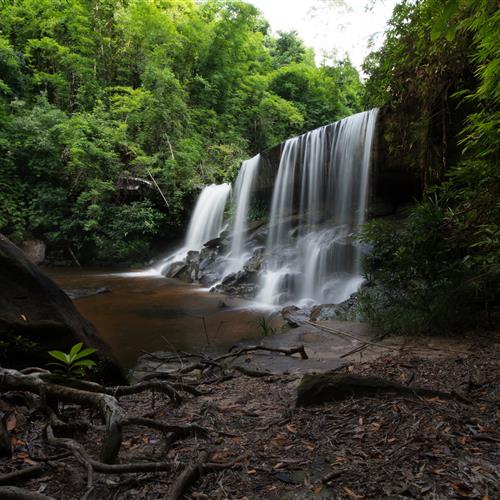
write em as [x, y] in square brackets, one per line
[152, 313]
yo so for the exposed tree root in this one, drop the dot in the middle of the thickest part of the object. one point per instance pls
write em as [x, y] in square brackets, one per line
[288, 352]
[152, 385]
[98, 397]
[188, 476]
[14, 493]
[94, 465]
[21, 475]
[42, 389]
[111, 411]
[178, 430]
[194, 471]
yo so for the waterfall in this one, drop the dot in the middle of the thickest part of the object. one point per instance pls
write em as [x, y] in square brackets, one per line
[205, 224]
[243, 188]
[206, 221]
[319, 200]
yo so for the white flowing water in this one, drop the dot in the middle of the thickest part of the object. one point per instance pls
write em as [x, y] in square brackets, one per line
[319, 200]
[282, 199]
[243, 189]
[208, 215]
[321, 191]
[205, 224]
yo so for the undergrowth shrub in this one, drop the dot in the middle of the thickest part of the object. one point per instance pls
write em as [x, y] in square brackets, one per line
[438, 271]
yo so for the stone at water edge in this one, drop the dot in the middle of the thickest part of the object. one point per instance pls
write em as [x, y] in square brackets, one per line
[79, 293]
[347, 311]
[208, 279]
[34, 250]
[180, 271]
[294, 315]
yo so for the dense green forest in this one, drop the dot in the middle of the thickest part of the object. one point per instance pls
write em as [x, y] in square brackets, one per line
[98, 94]
[437, 78]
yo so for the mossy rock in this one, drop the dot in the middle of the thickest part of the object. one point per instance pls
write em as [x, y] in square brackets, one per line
[328, 387]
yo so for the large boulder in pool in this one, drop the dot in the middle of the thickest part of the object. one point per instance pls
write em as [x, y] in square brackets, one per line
[36, 315]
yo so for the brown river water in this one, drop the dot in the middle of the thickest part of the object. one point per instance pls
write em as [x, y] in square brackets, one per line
[146, 314]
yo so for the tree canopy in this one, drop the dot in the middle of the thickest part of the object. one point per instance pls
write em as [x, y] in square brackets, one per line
[95, 92]
[437, 76]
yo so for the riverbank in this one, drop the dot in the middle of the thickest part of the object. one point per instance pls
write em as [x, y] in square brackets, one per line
[257, 444]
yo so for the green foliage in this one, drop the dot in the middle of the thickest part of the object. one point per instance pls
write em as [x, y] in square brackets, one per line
[266, 329]
[15, 346]
[440, 269]
[95, 93]
[74, 363]
[287, 48]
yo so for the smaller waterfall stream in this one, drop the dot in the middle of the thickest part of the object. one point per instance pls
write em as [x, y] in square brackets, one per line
[243, 187]
[205, 224]
[207, 218]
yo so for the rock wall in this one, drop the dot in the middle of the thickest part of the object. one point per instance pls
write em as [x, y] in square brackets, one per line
[395, 182]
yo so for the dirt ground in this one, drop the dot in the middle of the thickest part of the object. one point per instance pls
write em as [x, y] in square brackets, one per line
[386, 446]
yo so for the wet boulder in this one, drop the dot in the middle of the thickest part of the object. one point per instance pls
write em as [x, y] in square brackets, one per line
[294, 315]
[208, 279]
[241, 283]
[259, 235]
[324, 312]
[207, 258]
[193, 257]
[345, 311]
[254, 263]
[213, 243]
[175, 269]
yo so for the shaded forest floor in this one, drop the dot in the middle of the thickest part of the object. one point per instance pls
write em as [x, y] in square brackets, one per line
[363, 447]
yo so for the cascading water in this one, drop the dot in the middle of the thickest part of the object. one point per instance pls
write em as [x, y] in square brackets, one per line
[207, 218]
[206, 222]
[243, 188]
[319, 199]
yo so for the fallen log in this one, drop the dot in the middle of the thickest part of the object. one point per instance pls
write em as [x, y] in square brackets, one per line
[327, 387]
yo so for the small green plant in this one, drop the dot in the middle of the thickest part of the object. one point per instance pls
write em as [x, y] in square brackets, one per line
[74, 363]
[265, 326]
